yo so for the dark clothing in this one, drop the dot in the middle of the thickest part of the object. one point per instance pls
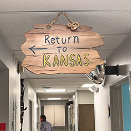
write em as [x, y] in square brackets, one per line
[46, 126]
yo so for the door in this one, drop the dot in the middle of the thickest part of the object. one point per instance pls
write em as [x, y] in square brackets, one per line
[55, 114]
[86, 117]
[59, 115]
[126, 106]
[49, 113]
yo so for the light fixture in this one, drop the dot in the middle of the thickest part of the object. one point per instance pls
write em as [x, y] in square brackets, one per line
[94, 89]
[39, 91]
[87, 85]
[74, 96]
[53, 98]
[55, 90]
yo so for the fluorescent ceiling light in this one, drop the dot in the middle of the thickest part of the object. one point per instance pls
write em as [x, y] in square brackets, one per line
[87, 85]
[40, 91]
[53, 98]
[55, 90]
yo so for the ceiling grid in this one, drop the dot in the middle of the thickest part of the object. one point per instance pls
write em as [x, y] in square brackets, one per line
[111, 19]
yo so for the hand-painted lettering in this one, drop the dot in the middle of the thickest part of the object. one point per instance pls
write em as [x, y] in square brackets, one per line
[53, 40]
[79, 62]
[56, 61]
[45, 60]
[86, 64]
[63, 42]
[46, 38]
[64, 49]
[72, 60]
[75, 39]
[69, 39]
[59, 49]
[64, 61]
[59, 40]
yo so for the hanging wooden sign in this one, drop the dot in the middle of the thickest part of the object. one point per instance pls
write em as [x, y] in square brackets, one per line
[60, 50]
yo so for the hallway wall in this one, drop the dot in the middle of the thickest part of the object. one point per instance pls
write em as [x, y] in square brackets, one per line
[122, 57]
[4, 96]
[81, 97]
[30, 94]
[9, 60]
[85, 97]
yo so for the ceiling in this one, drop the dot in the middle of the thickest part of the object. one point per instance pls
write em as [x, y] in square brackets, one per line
[111, 19]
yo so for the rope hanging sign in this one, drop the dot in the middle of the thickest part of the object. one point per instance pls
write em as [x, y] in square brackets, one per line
[53, 48]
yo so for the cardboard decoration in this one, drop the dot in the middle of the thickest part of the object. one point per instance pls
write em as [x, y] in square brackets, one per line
[60, 50]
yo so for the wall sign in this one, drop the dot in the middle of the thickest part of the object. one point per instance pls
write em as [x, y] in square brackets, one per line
[60, 50]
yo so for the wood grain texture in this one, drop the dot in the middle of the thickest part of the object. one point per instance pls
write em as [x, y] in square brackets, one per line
[60, 50]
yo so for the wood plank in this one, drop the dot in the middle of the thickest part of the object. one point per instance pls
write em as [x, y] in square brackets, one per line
[48, 50]
[62, 27]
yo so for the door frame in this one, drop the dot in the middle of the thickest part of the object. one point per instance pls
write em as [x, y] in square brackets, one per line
[114, 86]
[30, 115]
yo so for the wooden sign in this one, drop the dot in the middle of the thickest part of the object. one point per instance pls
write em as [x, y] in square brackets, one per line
[60, 50]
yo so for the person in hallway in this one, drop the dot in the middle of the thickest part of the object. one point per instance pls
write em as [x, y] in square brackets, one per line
[45, 125]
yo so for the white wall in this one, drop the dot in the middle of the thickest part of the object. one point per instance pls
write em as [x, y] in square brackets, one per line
[9, 60]
[85, 97]
[81, 97]
[75, 101]
[39, 113]
[30, 94]
[53, 102]
[122, 57]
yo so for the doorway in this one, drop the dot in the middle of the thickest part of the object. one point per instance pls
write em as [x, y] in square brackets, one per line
[116, 108]
[120, 106]
[4, 96]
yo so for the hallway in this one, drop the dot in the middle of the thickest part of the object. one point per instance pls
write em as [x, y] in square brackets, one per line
[68, 60]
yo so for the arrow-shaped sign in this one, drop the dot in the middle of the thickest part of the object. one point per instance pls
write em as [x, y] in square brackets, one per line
[32, 49]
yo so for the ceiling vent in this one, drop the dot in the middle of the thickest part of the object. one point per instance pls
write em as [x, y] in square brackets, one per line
[46, 87]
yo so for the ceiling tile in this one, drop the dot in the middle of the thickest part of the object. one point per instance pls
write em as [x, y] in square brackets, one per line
[102, 22]
[110, 19]
[56, 76]
[59, 82]
[112, 41]
[104, 54]
[16, 42]
[41, 5]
